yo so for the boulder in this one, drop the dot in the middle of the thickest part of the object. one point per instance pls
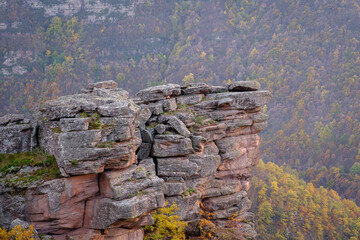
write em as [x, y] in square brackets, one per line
[135, 180]
[218, 89]
[160, 128]
[16, 138]
[244, 86]
[156, 108]
[212, 133]
[186, 117]
[198, 143]
[178, 126]
[169, 105]
[67, 106]
[74, 124]
[224, 202]
[117, 129]
[119, 108]
[171, 145]
[159, 92]
[174, 187]
[237, 153]
[88, 133]
[107, 102]
[110, 94]
[101, 213]
[258, 127]
[147, 135]
[188, 204]
[59, 204]
[190, 99]
[110, 84]
[144, 151]
[220, 187]
[177, 167]
[144, 116]
[196, 88]
[241, 100]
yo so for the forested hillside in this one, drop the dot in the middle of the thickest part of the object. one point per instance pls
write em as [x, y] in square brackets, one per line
[306, 52]
[289, 208]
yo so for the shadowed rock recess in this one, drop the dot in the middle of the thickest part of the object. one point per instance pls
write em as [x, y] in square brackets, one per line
[123, 158]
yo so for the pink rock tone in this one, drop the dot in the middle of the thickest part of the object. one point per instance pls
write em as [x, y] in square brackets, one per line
[58, 205]
[192, 145]
[109, 234]
[238, 153]
[81, 234]
[124, 234]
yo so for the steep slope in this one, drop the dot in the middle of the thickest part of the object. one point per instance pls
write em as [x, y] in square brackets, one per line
[289, 208]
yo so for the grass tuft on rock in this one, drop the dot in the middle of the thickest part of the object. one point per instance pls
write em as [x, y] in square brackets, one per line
[20, 170]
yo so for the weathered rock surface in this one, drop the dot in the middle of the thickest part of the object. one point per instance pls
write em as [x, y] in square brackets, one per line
[244, 86]
[171, 145]
[11, 207]
[15, 134]
[11, 118]
[159, 92]
[88, 133]
[122, 184]
[102, 212]
[241, 100]
[15, 138]
[196, 88]
[123, 159]
[105, 84]
[58, 205]
[190, 99]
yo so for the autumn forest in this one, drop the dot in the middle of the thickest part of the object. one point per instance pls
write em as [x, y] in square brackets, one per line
[307, 53]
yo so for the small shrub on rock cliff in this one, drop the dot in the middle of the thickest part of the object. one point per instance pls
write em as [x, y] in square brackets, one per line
[167, 225]
[207, 227]
[188, 192]
[18, 233]
[209, 231]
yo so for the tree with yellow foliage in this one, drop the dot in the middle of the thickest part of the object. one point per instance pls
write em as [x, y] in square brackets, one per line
[18, 233]
[167, 224]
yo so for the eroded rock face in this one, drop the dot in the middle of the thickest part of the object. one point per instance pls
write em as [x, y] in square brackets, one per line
[58, 205]
[93, 131]
[244, 86]
[15, 134]
[159, 92]
[191, 145]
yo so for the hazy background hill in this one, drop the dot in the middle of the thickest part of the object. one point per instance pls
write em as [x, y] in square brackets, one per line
[306, 52]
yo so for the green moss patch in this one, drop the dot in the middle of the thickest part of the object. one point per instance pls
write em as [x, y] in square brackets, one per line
[56, 130]
[203, 121]
[94, 120]
[107, 144]
[188, 192]
[40, 167]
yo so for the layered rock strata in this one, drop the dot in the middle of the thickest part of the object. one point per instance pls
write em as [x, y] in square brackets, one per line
[123, 158]
[15, 133]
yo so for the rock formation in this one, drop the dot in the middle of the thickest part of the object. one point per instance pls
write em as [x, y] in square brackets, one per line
[123, 158]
